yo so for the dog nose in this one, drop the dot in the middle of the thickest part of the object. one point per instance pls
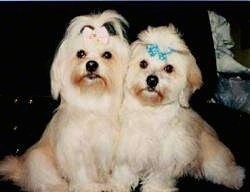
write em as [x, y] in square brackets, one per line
[91, 66]
[152, 81]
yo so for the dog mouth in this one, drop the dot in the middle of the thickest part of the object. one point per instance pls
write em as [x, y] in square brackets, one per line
[89, 80]
[92, 76]
[151, 90]
[95, 78]
[148, 95]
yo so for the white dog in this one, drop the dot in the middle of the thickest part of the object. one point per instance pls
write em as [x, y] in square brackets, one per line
[161, 138]
[75, 152]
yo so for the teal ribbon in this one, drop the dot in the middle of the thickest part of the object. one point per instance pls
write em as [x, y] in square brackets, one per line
[154, 50]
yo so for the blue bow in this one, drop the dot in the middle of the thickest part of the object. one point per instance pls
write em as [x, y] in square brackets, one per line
[154, 50]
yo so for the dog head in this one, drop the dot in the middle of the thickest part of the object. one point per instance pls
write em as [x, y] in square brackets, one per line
[91, 60]
[162, 69]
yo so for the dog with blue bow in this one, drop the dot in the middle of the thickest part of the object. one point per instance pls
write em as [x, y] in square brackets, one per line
[161, 137]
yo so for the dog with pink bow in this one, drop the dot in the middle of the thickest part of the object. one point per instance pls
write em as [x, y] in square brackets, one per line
[75, 152]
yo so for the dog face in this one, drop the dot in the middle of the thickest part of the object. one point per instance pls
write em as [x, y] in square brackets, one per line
[91, 60]
[162, 69]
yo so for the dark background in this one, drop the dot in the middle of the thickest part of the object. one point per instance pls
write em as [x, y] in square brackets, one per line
[31, 31]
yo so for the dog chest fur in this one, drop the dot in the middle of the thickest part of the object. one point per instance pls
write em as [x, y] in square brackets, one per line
[85, 143]
[157, 140]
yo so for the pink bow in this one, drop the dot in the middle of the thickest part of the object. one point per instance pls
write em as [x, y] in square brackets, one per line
[100, 34]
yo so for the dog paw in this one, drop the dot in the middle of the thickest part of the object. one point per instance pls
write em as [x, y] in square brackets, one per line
[155, 189]
[105, 188]
[120, 188]
[235, 179]
[94, 188]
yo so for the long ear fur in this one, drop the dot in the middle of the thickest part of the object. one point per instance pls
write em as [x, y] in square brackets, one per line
[55, 72]
[134, 47]
[194, 82]
[119, 22]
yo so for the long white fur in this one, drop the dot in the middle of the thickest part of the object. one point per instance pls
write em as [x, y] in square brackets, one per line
[76, 150]
[161, 140]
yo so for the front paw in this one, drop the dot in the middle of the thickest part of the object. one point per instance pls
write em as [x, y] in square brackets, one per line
[96, 187]
[105, 188]
[158, 189]
[235, 179]
[120, 188]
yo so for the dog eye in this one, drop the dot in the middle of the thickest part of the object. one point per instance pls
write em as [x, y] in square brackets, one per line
[169, 68]
[143, 64]
[81, 53]
[107, 55]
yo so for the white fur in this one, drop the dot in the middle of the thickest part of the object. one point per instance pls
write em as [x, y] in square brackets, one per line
[161, 140]
[76, 150]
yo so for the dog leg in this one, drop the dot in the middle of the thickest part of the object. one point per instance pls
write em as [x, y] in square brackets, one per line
[81, 180]
[218, 163]
[34, 171]
[40, 174]
[90, 187]
[123, 179]
[157, 182]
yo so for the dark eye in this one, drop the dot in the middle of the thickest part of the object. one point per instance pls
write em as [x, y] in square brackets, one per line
[143, 64]
[169, 68]
[81, 53]
[107, 55]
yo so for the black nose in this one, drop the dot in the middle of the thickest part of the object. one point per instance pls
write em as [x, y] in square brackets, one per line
[91, 66]
[152, 81]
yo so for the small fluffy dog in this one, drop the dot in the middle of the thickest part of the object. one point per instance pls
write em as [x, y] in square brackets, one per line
[161, 138]
[75, 152]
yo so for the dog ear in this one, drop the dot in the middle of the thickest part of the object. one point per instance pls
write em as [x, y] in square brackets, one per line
[109, 26]
[194, 82]
[135, 45]
[116, 24]
[55, 72]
